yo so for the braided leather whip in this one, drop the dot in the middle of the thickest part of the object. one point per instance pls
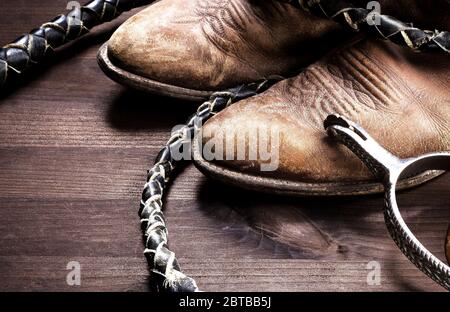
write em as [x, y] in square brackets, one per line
[386, 27]
[31, 49]
[161, 260]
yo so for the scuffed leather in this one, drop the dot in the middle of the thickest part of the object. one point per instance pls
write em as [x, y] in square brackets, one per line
[217, 44]
[400, 97]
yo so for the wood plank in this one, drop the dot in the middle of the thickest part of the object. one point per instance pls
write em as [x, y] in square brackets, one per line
[81, 173]
[227, 234]
[97, 118]
[127, 274]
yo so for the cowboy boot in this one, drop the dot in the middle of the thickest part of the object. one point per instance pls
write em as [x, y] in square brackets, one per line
[188, 49]
[399, 96]
[372, 82]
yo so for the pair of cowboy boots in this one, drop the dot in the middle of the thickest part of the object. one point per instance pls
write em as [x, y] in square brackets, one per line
[189, 49]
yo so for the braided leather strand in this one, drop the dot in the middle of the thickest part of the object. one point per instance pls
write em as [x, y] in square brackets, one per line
[388, 28]
[161, 260]
[28, 50]
[31, 49]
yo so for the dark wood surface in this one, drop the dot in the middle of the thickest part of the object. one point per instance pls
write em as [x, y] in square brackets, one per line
[74, 149]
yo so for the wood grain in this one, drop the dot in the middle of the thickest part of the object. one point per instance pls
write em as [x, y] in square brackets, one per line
[74, 149]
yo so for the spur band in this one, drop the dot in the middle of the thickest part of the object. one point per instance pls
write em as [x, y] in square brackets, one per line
[389, 169]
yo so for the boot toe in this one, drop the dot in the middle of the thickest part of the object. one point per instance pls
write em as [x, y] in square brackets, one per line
[214, 45]
[251, 139]
[149, 46]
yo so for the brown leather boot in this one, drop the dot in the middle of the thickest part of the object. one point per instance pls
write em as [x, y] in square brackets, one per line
[187, 49]
[400, 97]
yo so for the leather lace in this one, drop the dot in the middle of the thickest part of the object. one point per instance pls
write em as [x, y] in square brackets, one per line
[161, 260]
[31, 49]
[375, 23]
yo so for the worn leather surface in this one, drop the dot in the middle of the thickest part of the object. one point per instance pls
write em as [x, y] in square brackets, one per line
[217, 44]
[400, 97]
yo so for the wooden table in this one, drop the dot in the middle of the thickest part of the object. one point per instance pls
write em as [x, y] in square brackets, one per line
[74, 149]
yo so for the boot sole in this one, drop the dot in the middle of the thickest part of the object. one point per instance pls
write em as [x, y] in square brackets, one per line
[296, 188]
[142, 83]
